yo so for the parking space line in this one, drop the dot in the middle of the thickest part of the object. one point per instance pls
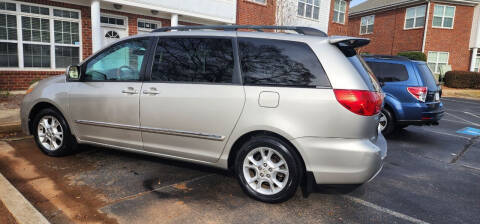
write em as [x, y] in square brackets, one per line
[471, 114]
[443, 133]
[461, 101]
[455, 116]
[460, 122]
[385, 210]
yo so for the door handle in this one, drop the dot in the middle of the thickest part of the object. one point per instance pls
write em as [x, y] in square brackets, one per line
[151, 91]
[130, 90]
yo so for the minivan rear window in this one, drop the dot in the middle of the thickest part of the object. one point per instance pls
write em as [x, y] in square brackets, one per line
[280, 63]
[365, 72]
[389, 72]
[427, 76]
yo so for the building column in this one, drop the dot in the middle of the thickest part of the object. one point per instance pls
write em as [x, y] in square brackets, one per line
[96, 33]
[174, 20]
[474, 58]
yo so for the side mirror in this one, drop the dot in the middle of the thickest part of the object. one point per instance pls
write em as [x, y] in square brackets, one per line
[73, 73]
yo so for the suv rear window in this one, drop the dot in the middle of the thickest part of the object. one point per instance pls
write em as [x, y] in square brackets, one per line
[365, 72]
[389, 72]
[280, 63]
[427, 76]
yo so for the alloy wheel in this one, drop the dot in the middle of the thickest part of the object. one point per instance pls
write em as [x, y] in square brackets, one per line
[50, 133]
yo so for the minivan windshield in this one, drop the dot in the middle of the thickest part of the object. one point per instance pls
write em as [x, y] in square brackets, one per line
[365, 72]
[427, 76]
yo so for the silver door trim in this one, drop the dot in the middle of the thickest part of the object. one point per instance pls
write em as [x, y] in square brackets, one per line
[154, 130]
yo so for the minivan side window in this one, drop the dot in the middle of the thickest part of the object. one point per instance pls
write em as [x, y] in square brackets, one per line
[121, 62]
[280, 63]
[193, 60]
[389, 72]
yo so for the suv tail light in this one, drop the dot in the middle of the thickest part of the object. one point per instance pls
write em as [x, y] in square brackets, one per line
[420, 93]
[361, 102]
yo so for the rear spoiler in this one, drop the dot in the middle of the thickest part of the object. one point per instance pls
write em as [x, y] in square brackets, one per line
[348, 44]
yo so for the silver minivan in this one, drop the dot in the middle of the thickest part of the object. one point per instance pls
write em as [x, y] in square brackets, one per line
[279, 109]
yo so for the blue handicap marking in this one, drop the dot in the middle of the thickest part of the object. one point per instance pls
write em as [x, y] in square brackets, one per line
[469, 131]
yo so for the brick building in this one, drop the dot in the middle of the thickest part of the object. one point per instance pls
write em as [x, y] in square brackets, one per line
[40, 38]
[446, 31]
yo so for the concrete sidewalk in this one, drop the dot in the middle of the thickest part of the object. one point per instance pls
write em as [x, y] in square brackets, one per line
[10, 112]
[18, 207]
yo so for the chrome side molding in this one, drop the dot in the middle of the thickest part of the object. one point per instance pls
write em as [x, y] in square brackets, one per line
[154, 130]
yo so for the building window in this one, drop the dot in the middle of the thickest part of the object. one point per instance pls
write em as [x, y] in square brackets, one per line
[339, 10]
[443, 16]
[415, 17]
[112, 20]
[36, 48]
[146, 25]
[436, 60]
[477, 65]
[309, 8]
[263, 2]
[366, 24]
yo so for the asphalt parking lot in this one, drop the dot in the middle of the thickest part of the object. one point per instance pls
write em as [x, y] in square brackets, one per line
[431, 175]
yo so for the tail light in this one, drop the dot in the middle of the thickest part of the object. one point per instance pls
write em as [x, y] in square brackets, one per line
[420, 93]
[361, 102]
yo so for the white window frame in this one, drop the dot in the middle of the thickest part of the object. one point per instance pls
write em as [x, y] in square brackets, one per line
[125, 21]
[159, 24]
[260, 2]
[443, 16]
[52, 43]
[305, 3]
[415, 17]
[336, 19]
[436, 70]
[476, 66]
[366, 19]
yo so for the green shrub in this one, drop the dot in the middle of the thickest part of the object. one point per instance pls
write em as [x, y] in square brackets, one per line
[462, 79]
[414, 55]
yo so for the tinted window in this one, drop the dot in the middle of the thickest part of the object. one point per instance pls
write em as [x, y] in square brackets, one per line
[281, 63]
[365, 72]
[193, 60]
[121, 62]
[389, 72]
[427, 76]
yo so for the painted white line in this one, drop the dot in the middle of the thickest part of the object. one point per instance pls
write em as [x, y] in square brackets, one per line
[471, 114]
[460, 111]
[21, 209]
[443, 133]
[461, 101]
[460, 122]
[386, 210]
[455, 116]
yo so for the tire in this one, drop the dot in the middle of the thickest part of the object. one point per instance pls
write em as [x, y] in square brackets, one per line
[49, 140]
[288, 175]
[390, 122]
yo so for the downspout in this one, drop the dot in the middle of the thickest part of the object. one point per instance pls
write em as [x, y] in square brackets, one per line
[426, 27]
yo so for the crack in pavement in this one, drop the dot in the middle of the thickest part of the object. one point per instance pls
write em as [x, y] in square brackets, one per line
[471, 141]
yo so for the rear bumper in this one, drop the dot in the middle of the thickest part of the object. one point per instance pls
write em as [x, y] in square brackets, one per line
[427, 118]
[342, 161]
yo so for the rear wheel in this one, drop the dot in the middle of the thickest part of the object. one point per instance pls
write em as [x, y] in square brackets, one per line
[268, 169]
[386, 122]
[52, 133]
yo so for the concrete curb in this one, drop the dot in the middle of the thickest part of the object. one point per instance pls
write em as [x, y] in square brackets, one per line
[10, 127]
[19, 207]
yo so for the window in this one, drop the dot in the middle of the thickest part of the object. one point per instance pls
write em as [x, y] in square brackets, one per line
[121, 62]
[112, 20]
[280, 63]
[145, 25]
[437, 59]
[428, 78]
[443, 16]
[263, 2]
[194, 60]
[389, 72]
[415, 17]
[366, 24]
[477, 65]
[365, 72]
[309, 8]
[36, 48]
[339, 10]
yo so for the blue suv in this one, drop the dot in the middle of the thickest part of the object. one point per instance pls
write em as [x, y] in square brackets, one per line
[412, 94]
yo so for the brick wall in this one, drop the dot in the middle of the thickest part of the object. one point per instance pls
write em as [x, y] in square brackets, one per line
[389, 36]
[252, 13]
[20, 80]
[338, 28]
[456, 40]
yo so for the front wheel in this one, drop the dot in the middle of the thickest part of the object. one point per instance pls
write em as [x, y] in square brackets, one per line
[268, 169]
[52, 133]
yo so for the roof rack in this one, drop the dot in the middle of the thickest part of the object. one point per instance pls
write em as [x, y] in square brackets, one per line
[380, 56]
[299, 29]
